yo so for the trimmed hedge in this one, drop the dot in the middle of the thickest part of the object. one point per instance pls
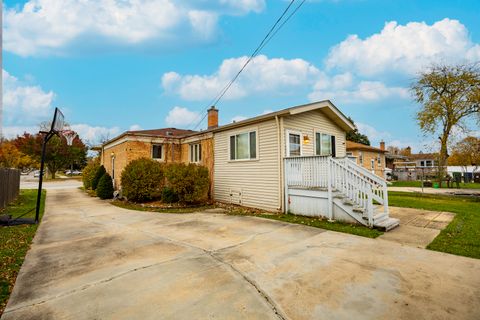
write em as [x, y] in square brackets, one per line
[143, 180]
[105, 187]
[89, 172]
[98, 175]
[189, 182]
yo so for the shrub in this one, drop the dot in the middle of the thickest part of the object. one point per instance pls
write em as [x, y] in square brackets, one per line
[169, 195]
[143, 180]
[89, 173]
[105, 187]
[98, 175]
[190, 182]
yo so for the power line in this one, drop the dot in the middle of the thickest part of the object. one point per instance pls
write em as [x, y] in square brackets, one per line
[270, 34]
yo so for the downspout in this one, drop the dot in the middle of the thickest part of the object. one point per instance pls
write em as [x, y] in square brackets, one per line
[280, 165]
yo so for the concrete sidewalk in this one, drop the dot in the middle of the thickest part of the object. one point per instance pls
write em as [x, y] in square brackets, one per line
[445, 191]
[91, 260]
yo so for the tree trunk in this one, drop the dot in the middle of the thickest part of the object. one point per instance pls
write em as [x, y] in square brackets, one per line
[442, 159]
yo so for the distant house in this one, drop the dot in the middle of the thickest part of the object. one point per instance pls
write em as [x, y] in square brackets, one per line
[290, 160]
[371, 158]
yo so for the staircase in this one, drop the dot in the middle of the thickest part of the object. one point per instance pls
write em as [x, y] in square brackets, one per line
[340, 187]
[360, 194]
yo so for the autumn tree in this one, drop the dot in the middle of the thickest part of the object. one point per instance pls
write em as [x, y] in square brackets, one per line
[466, 153]
[355, 135]
[449, 96]
[11, 157]
[58, 154]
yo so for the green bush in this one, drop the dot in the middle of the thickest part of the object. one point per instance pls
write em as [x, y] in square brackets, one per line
[143, 180]
[169, 195]
[190, 182]
[88, 173]
[98, 175]
[105, 187]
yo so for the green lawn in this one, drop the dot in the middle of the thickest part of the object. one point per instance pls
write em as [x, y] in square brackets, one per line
[15, 242]
[355, 229]
[418, 184]
[462, 235]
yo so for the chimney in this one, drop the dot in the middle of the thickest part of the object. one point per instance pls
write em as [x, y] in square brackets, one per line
[408, 151]
[382, 145]
[212, 118]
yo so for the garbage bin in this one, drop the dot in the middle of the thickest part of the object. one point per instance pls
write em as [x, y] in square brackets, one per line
[435, 185]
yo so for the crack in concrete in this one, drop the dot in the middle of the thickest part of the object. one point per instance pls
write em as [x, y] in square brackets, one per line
[92, 284]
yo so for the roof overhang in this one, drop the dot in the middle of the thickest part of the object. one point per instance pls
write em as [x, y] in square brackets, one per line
[326, 106]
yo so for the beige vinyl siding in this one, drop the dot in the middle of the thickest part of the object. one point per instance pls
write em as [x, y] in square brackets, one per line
[310, 122]
[258, 180]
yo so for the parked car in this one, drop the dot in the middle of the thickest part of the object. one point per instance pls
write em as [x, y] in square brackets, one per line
[36, 173]
[73, 173]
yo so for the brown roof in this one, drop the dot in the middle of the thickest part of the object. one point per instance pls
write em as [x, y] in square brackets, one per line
[164, 132]
[420, 156]
[358, 146]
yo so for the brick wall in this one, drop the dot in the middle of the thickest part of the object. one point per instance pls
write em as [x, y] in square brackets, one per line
[128, 151]
[368, 156]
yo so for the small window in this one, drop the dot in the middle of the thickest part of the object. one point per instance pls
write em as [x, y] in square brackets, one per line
[379, 160]
[243, 146]
[294, 146]
[428, 163]
[372, 163]
[195, 152]
[360, 158]
[323, 144]
[422, 163]
[157, 151]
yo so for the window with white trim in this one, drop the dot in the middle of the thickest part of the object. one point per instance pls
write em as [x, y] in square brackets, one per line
[243, 146]
[157, 151]
[379, 160]
[372, 164]
[195, 152]
[294, 144]
[323, 144]
[360, 158]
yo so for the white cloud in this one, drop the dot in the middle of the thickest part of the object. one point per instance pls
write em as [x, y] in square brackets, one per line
[373, 134]
[10, 132]
[238, 118]
[95, 134]
[24, 104]
[179, 116]
[404, 48]
[261, 75]
[135, 127]
[52, 26]
[363, 92]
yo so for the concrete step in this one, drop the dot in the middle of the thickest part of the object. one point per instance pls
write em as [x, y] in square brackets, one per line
[387, 224]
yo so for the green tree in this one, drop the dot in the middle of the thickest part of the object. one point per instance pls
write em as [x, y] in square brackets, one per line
[58, 154]
[98, 175]
[105, 187]
[355, 136]
[449, 95]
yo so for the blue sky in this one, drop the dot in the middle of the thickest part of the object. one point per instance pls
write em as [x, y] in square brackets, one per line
[120, 65]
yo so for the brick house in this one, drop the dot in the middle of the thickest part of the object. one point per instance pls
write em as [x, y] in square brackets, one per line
[370, 158]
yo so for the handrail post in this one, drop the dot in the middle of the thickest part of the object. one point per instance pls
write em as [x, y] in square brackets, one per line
[329, 188]
[385, 198]
[285, 192]
[370, 206]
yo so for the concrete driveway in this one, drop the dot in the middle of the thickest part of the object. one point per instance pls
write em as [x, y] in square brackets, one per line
[91, 260]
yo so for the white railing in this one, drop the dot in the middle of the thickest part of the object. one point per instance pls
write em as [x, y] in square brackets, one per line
[355, 183]
[379, 185]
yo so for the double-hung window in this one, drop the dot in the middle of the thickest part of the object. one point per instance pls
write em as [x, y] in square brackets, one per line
[379, 160]
[195, 152]
[243, 146]
[157, 151]
[294, 144]
[324, 144]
